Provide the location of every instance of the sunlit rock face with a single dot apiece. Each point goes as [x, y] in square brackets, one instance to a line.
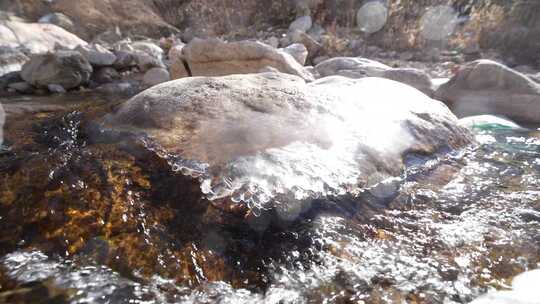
[213, 57]
[272, 142]
[37, 37]
[487, 87]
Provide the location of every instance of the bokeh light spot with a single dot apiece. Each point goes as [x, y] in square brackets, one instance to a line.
[371, 17]
[438, 22]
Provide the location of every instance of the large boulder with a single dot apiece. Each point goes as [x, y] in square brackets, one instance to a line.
[11, 60]
[353, 67]
[66, 68]
[272, 142]
[487, 87]
[213, 57]
[37, 37]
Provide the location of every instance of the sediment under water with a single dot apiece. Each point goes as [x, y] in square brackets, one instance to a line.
[87, 217]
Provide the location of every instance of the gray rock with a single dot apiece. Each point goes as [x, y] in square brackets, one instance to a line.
[124, 60]
[353, 67]
[275, 138]
[9, 78]
[60, 20]
[320, 59]
[66, 68]
[311, 44]
[147, 54]
[488, 87]
[117, 88]
[11, 60]
[156, 76]
[55, 88]
[21, 87]
[273, 41]
[302, 24]
[105, 75]
[298, 51]
[97, 55]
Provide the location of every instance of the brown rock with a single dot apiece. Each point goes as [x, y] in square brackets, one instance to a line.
[214, 57]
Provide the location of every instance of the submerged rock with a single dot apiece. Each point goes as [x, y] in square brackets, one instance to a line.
[272, 142]
[66, 68]
[487, 121]
[213, 57]
[487, 87]
[37, 37]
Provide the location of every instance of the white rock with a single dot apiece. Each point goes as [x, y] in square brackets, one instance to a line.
[37, 37]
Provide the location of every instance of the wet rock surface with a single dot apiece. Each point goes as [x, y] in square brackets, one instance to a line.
[255, 140]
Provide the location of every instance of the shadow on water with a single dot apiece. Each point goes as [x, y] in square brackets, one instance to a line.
[94, 216]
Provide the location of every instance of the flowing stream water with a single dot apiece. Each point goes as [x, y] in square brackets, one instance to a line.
[449, 230]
